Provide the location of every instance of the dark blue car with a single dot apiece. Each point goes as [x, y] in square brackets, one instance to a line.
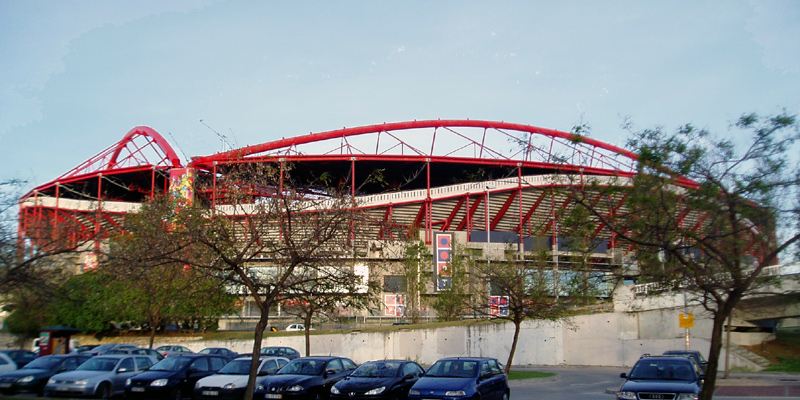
[388, 379]
[662, 377]
[462, 378]
[173, 377]
[307, 378]
[33, 376]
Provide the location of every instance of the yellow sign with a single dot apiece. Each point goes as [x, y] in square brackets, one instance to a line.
[686, 321]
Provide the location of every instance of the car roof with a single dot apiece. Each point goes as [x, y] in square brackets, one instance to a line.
[466, 359]
[113, 356]
[321, 358]
[665, 357]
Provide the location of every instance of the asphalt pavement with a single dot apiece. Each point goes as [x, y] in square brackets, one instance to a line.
[583, 383]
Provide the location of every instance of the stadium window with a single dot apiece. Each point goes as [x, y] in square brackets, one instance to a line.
[394, 283]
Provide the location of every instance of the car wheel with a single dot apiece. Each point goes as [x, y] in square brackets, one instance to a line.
[103, 391]
[506, 396]
[178, 394]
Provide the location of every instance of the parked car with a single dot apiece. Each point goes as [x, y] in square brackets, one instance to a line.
[84, 348]
[154, 355]
[100, 377]
[6, 363]
[33, 376]
[693, 354]
[220, 351]
[280, 351]
[388, 379]
[170, 350]
[463, 378]
[297, 328]
[20, 357]
[230, 382]
[173, 377]
[305, 378]
[104, 348]
[662, 377]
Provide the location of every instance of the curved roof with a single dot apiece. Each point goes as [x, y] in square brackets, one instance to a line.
[467, 141]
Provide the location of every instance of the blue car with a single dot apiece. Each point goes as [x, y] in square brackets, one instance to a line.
[462, 378]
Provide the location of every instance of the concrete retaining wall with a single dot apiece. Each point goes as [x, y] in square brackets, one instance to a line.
[604, 339]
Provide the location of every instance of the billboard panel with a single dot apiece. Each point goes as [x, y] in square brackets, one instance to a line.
[443, 255]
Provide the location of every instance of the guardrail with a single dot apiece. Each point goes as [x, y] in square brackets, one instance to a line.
[645, 289]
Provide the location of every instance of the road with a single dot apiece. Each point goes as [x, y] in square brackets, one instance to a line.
[583, 383]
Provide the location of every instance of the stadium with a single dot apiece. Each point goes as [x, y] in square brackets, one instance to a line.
[495, 188]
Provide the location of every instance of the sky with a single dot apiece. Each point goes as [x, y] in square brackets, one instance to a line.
[75, 76]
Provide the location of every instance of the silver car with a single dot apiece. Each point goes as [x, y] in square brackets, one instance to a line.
[100, 377]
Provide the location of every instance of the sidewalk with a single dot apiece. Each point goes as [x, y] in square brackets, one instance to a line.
[759, 384]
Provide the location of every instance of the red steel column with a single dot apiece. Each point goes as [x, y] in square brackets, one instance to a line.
[519, 203]
[99, 210]
[153, 183]
[469, 223]
[428, 225]
[214, 187]
[54, 228]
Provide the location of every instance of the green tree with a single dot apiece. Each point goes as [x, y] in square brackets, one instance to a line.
[146, 255]
[450, 303]
[708, 213]
[415, 258]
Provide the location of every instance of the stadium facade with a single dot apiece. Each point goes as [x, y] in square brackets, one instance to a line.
[495, 187]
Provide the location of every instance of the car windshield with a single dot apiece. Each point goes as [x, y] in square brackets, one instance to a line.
[164, 348]
[43, 363]
[236, 367]
[270, 351]
[119, 351]
[99, 364]
[377, 369]
[206, 351]
[663, 370]
[453, 369]
[303, 367]
[171, 364]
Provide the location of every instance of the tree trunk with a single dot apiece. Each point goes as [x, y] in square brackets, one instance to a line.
[258, 337]
[724, 311]
[152, 336]
[307, 326]
[517, 326]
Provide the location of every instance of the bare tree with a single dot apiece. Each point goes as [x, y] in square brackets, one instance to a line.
[271, 237]
[708, 213]
[523, 290]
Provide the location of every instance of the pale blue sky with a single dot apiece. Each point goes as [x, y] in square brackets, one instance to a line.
[76, 75]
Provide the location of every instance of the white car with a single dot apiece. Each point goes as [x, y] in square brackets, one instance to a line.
[231, 380]
[6, 363]
[297, 328]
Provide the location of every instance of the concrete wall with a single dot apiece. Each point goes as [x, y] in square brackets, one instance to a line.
[603, 339]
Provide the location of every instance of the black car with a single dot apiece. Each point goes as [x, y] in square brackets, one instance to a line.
[280, 351]
[20, 357]
[308, 378]
[662, 377]
[463, 378]
[33, 377]
[693, 354]
[173, 377]
[388, 379]
[220, 351]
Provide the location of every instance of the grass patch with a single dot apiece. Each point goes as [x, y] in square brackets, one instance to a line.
[785, 364]
[517, 375]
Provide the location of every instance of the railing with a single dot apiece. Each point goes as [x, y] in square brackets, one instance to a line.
[645, 289]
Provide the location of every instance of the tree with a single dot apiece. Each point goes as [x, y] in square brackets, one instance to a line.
[526, 286]
[415, 256]
[271, 236]
[451, 302]
[330, 290]
[143, 255]
[708, 213]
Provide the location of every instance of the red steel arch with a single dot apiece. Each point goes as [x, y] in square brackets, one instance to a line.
[595, 152]
[140, 149]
